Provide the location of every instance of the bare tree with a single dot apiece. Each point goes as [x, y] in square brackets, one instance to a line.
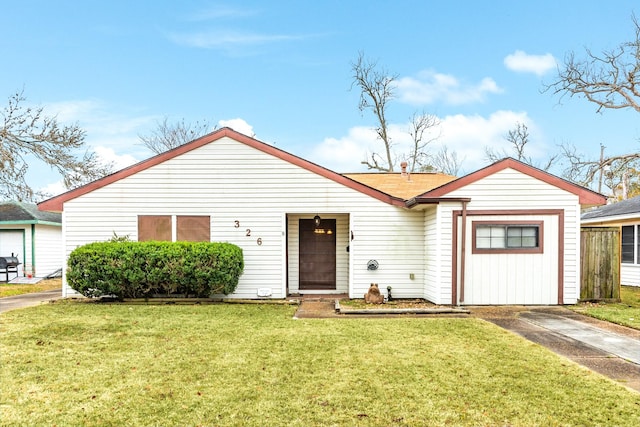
[376, 91]
[610, 80]
[167, 136]
[519, 138]
[418, 158]
[27, 133]
[614, 172]
[447, 161]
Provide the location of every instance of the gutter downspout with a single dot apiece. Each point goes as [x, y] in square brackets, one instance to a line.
[463, 247]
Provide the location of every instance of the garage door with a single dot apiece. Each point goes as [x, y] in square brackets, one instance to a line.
[12, 242]
[510, 260]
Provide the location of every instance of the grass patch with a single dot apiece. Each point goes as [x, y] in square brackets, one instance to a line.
[239, 365]
[12, 289]
[626, 312]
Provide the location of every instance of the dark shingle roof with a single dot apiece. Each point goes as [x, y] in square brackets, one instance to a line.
[624, 207]
[18, 212]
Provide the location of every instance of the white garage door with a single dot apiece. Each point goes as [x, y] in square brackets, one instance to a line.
[511, 260]
[12, 242]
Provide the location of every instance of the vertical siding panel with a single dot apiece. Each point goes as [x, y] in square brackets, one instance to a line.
[49, 250]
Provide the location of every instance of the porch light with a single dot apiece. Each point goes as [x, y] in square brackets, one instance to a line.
[316, 220]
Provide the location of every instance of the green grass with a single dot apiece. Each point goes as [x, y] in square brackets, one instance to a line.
[626, 312]
[253, 365]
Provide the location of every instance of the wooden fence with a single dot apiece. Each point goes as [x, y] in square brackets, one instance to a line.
[600, 264]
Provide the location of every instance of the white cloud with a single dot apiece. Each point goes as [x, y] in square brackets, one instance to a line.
[120, 161]
[54, 188]
[217, 12]
[239, 125]
[467, 136]
[227, 40]
[523, 62]
[345, 154]
[429, 87]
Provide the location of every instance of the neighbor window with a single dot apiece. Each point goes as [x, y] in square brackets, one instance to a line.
[160, 227]
[631, 244]
[492, 237]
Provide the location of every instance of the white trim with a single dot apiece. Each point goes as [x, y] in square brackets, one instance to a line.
[285, 261]
[603, 219]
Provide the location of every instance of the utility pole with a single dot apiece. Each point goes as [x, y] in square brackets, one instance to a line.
[601, 166]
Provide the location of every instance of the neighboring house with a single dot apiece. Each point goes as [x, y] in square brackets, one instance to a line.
[33, 236]
[506, 234]
[626, 215]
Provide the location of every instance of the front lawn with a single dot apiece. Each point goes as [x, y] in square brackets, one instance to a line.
[626, 312]
[253, 365]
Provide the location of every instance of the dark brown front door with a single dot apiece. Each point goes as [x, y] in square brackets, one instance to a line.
[317, 255]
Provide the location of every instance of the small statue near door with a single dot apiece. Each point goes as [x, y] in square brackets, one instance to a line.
[373, 296]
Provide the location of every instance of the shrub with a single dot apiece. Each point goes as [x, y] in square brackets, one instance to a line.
[126, 269]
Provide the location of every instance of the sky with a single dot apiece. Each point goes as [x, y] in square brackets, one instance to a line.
[281, 71]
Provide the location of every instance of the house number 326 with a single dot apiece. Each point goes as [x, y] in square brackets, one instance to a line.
[236, 224]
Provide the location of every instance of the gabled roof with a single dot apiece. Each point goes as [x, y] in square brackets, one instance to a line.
[56, 203]
[622, 210]
[26, 213]
[405, 186]
[586, 196]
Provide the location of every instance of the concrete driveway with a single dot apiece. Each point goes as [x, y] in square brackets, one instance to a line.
[29, 300]
[609, 349]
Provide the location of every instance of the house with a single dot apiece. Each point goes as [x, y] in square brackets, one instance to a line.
[33, 236]
[626, 215]
[506, 234]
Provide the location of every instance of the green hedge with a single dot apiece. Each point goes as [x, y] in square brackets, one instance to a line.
[145, 269]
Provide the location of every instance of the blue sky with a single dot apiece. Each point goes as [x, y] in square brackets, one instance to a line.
[281, 70]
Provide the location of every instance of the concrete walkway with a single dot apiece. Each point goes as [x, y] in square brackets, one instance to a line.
[622, 346]
[28, 300]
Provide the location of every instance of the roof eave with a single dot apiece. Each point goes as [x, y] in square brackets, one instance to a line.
[421, 201]
[586, 196]
[611, 218]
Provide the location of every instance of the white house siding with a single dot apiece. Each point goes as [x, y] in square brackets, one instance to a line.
[510, 190]
[630, 274]
[248, 194]
[438, 252]
[48, 249]
[391, 236]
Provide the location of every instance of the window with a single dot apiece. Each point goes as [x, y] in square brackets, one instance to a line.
[629, 243]
[497, 237]
[193, 228]
[160, 227]
[154, 227]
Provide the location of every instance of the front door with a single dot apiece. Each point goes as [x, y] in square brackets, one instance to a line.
[317, 255]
